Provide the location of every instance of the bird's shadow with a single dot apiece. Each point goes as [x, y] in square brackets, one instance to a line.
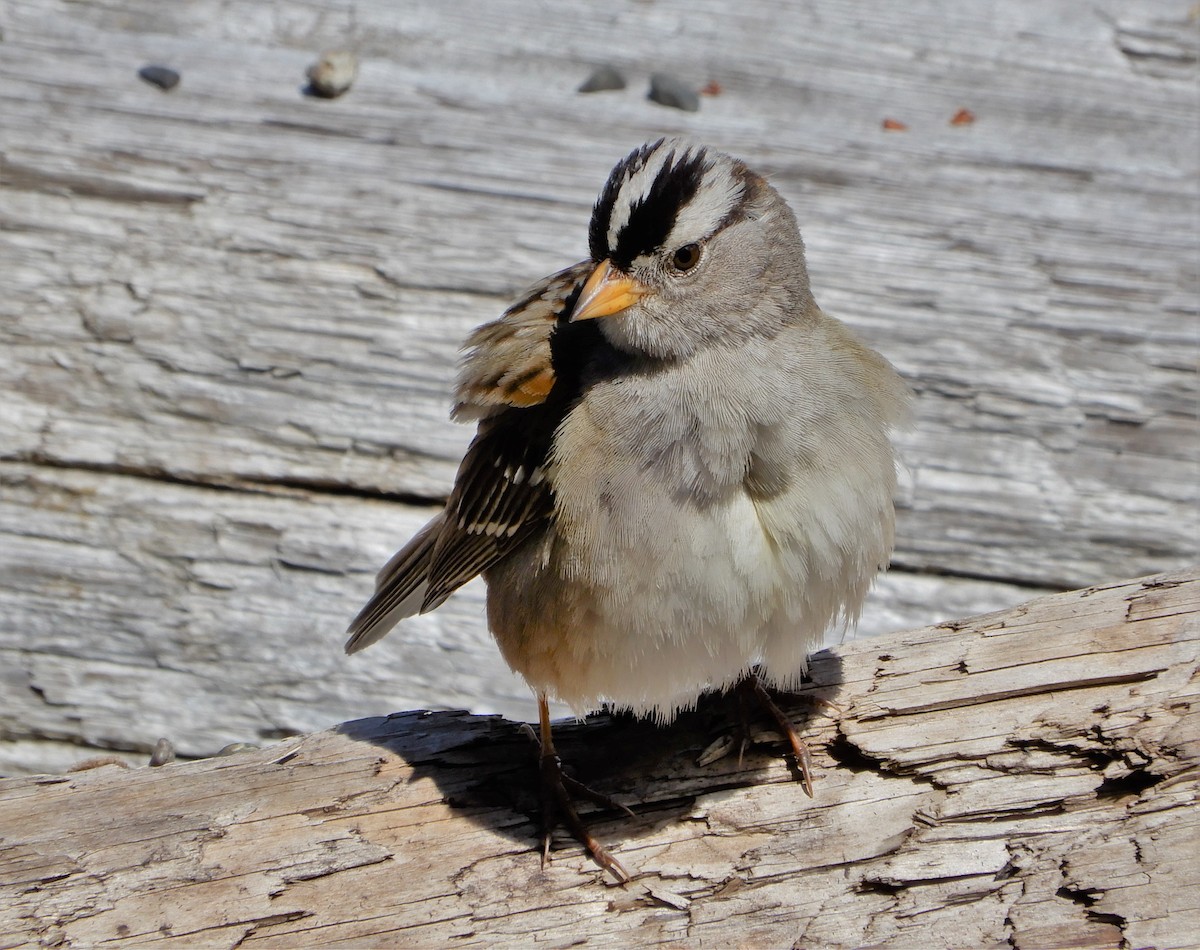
[485, 767]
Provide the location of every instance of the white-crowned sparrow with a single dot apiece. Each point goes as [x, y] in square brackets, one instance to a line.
[682, 468]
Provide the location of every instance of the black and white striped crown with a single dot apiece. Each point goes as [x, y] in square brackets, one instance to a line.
[664, 195]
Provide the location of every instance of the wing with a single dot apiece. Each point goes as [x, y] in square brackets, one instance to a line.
[500, 496]
[508, 361]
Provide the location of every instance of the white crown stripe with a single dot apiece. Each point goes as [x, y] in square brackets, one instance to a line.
[719, 193]
[636, 188]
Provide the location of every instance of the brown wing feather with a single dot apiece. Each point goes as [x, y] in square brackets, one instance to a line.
[500, 496]
[507, 361]
[399, 589]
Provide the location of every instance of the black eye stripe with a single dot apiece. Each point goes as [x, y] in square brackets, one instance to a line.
[652, 216]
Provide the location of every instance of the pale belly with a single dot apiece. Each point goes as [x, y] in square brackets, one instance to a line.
[698, 531]
[650, 616]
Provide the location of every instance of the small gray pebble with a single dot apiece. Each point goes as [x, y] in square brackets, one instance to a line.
[162, 76]
[332, 74]
[603, 79]
[666, 90]
[163, 753]
[235, 747]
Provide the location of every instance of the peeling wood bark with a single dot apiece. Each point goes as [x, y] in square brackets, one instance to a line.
[1023, 779]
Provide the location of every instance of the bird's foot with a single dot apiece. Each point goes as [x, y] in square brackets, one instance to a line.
[557, 802]
[752, 688]
[803, 758]
[558, 793]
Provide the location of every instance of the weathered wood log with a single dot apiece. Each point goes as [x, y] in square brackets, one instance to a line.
[230, 312]
[1026, 778]
[232, 283]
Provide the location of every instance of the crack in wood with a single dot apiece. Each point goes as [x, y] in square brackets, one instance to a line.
[1087, 898]
[288, 487]
[992, 696]
[106, 189]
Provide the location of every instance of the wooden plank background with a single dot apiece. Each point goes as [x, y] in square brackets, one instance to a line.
[229, 313]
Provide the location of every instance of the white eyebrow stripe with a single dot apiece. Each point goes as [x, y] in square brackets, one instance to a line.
[719, 193]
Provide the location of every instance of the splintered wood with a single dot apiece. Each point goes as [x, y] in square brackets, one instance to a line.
[1025, 779]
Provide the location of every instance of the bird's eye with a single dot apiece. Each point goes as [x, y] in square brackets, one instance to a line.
[686, 257]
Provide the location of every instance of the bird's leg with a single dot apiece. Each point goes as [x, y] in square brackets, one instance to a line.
[742, 735]
[753, 685]
[557, 788]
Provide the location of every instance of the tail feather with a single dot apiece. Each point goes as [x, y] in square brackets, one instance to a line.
[400, 589]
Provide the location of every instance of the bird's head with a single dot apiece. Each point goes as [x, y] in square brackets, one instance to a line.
[690, 246]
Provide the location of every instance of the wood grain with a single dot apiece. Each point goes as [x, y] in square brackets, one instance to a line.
[1027, 779]
[232, 298]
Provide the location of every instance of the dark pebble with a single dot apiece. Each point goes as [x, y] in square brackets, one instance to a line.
[666, 90]
[162, 76]
[163, 753]
[603, 79]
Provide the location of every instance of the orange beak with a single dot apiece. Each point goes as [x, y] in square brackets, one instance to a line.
[607, 291]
